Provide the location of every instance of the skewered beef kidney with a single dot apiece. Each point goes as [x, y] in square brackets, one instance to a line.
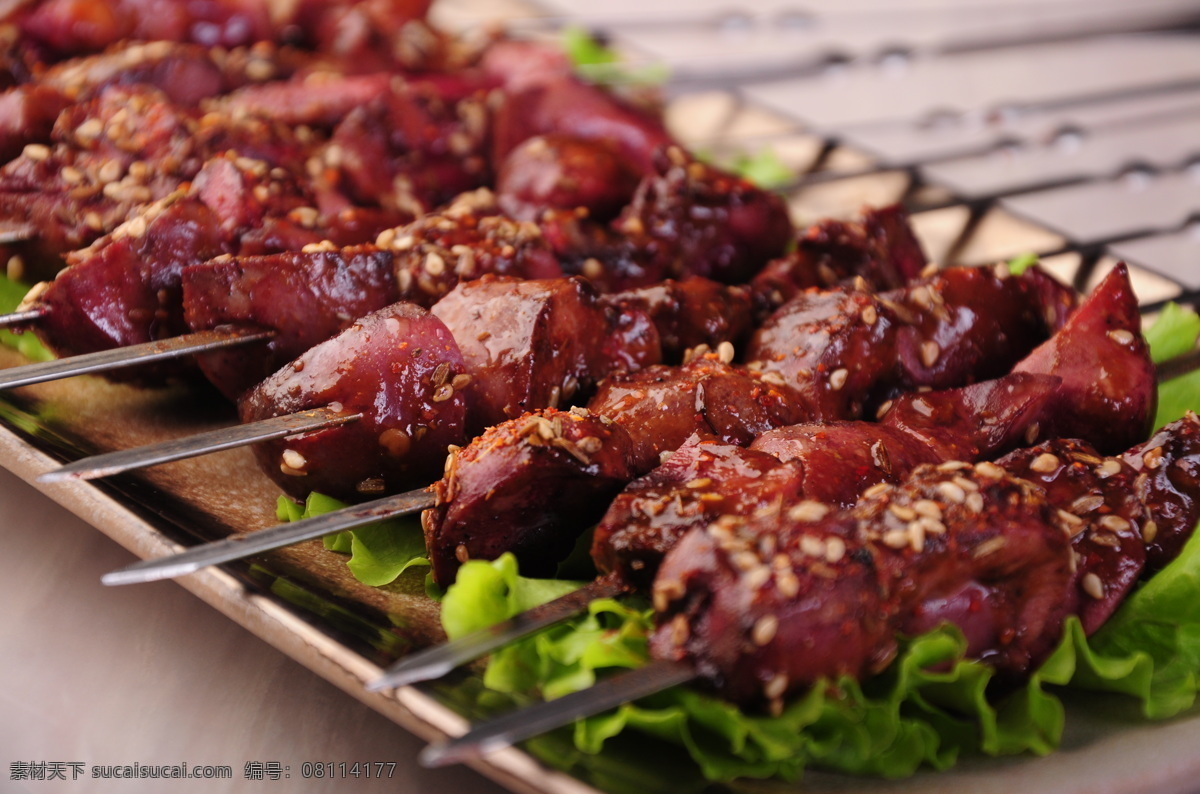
[517, 484]
[400, 368]
[767, 606]
[536, 343]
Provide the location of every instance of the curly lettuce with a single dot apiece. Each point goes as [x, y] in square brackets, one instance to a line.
[379, 552]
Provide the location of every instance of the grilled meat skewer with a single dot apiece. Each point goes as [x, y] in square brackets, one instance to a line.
[760, 608]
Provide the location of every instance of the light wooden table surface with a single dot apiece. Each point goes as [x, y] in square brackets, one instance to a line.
[152, 675]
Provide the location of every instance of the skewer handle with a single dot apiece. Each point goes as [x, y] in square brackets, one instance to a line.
[200, 444]
[525, 723]
[144, 353]
[238, 546]
[438, 660]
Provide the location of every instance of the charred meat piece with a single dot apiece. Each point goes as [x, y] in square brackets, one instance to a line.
[557, 171]
[365, 30]
[543, 97]
[690, 313]
[1108, 378]
[1100, 510]
[699, 482]
[881, 249]
[463, 242]
[538, 343]
[766, 606]
[570, 462]
[126, 289]
[840, 460]
[662, 406]
[690, 218]
[1168, 482]
[305, 297]
[397, 367]
[849, 350]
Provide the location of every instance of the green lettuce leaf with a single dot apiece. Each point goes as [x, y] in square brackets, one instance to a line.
[926, 709]
[1173, 334]
[28, 345]
[379, 552]
[764, 168]
[597, 63]
[1022, 262]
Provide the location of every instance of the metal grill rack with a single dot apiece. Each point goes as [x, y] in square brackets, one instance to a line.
[1066, 128]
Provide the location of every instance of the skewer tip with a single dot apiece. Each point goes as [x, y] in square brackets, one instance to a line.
[456, 752]
[146, 571]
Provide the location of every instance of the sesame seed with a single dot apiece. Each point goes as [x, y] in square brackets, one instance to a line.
[434, 264]
[1032, 432]
[877, 489]
[294, 460]
[808, 510]
[787, 583]
[36, 151]
[837, 378]
[1086, 504]
[764, 630]
[1149, 531]
[883, 409]
[757, 577]
[1114, 523]
[974, 502]
[870, 315]
[699, 482]
[1121, 336]
[896, 538]
[930, 352]
[1044, 463]
[1108, 469]
[989, 546]
[951, 492]
[928, 508]
[775, 688]
[1105, 539]
[746, 560]
[902, 512]
[1074, 524]
[725, 352]
[90, 129]
[443, 393]
[916, 536]
[109, 172]
[1092, 585]
[461, 554]
[990, 470]
[812, 546]
[835, 549]
[1153, 458]
[923, 408]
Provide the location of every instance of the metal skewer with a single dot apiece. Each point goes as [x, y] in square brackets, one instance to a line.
[112, 463]
[243, 545]
[436, 661]
[16, 232]
[20, 318]
[525, 723]
[133, 355]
